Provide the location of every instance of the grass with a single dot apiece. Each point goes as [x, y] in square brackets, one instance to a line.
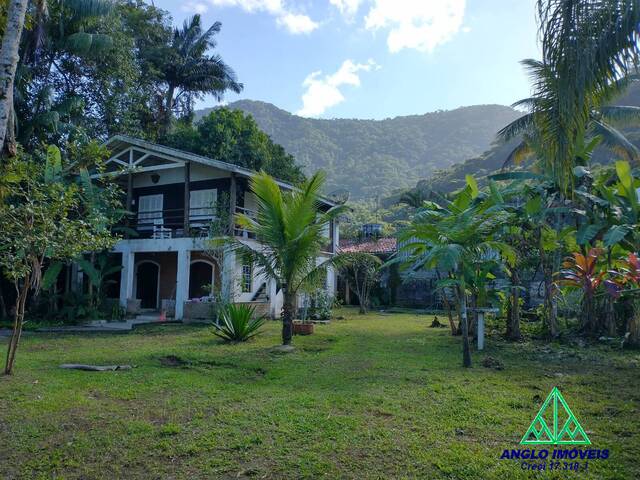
[375, 396]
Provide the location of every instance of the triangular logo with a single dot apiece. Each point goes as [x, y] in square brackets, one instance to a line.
[555, 424]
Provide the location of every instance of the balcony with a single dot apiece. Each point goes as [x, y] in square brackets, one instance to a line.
[169, 223]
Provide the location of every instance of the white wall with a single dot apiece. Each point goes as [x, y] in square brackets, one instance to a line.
[176, 175]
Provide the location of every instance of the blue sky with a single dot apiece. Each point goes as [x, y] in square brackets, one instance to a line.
[372, 58]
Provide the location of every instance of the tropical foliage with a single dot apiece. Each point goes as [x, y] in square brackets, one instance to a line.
[460, 237]
[362, 272]
[233, 137]
[48, 213]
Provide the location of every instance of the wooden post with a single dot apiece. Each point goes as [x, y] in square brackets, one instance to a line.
[187, 196]
[232, 204]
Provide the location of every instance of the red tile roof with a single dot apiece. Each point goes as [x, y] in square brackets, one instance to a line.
[381, 245]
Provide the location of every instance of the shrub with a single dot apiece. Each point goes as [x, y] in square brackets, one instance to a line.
[238, 323]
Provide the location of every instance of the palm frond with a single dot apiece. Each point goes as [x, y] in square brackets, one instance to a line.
[615, 140]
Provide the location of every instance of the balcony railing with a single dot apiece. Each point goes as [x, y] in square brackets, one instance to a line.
[239, 231]
[169, 223]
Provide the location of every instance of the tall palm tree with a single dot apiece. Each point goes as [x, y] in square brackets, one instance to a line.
[189, 71]
[11, 35]
[56, 30]
[290, 227]
[457, 237]
[588, 48]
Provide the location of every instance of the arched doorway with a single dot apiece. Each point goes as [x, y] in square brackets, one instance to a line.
[201, 278]
[148, 284]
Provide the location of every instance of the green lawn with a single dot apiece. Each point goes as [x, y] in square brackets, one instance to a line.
[376, 396]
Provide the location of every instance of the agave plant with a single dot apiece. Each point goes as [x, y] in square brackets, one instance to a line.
[238, 323]
[581, 271]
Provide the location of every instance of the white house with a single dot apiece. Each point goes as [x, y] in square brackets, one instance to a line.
[165, 260]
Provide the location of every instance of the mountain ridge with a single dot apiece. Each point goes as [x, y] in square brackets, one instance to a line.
[373, 158]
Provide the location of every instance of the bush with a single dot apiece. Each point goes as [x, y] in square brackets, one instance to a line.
[320, 306]
[238, 323]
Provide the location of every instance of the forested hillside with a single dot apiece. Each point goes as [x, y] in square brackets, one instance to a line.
[375, 157]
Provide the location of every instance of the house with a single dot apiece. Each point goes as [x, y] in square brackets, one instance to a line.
[371, 242]
[397, 286]
[166, 255]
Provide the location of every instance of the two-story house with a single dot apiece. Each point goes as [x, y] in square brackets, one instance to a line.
[166, 259]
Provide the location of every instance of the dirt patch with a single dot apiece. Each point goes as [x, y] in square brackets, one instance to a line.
[175, 361]
[491, 362]
[172, 361]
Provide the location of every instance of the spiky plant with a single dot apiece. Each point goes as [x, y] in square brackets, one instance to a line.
[238, 323]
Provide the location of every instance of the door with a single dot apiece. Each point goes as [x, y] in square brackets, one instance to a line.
[202, 206]
[147, 283]
[150, 211]
[200, 279]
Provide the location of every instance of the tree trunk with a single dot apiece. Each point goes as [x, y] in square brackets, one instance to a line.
[9, 55]
[168, 111]
[458, 310]
[10, 143]
[633, 326]
[288, 312]
[466, 348]
[610, 317]
[587, 314]
[447, 307]
[18, 320]
[513, 323]
[550, 306]
[473, 321]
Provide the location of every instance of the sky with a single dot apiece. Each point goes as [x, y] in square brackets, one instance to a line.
[371, 59]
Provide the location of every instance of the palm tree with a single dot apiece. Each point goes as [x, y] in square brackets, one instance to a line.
[189, 71]
[11, 35]
[56, 31]
[539, 128]
[588, 48]
[457, 237]
[290, 227]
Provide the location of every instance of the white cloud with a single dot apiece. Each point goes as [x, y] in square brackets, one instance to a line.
[297, 23]
[324, 92]
[420, 25]
[346, 7]
[195, 7]
[293, 22]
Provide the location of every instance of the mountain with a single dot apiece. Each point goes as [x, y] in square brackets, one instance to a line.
[372, 158]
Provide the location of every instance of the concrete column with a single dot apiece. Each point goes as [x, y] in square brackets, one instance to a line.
[272, 292]
[331, 281]
[229, 275]
[480, 330]
[126, 277]
[182, 281]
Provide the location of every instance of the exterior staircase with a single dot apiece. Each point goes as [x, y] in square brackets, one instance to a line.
[261, 294]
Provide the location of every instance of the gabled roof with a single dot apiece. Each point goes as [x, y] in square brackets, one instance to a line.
[119, 144]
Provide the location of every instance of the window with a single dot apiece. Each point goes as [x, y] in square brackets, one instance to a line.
[150, 211]
[202, 205]
[247, 277]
